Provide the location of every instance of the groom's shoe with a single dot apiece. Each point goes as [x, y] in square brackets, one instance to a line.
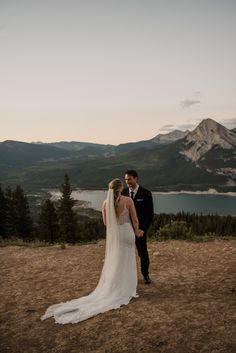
[146, 280]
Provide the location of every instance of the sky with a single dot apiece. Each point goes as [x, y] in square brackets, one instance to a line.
[114, 71]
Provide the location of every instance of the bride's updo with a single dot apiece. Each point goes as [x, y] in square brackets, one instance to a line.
[116, 185]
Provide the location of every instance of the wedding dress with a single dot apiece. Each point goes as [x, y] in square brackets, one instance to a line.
[118, 281]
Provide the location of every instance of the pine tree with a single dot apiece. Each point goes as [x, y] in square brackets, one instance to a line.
[67, 216]
[10, 213]
[48, 222]
[23, 221]
[3, 210]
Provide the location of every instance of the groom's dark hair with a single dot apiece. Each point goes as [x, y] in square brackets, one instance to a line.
[132, 172]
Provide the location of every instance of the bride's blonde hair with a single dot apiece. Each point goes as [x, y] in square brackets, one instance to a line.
[115, 184]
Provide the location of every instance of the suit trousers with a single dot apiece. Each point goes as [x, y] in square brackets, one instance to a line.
[141, 245]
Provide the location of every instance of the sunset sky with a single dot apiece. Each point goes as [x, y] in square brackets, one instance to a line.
[114, 71]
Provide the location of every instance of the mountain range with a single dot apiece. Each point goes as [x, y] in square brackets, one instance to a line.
[190, 160]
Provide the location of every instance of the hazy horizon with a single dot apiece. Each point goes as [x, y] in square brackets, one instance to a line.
[95, 142]
[115, 71]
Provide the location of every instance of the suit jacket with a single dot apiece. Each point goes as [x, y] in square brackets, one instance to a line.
[144, 207]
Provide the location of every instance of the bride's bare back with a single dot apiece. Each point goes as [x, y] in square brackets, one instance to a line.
[124, 202]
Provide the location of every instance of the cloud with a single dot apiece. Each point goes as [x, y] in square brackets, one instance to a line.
[182, 127]
[188, 103]
[186, 126]
[168, 127]
[229, 123]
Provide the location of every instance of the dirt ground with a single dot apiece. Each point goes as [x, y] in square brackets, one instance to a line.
[189, 307]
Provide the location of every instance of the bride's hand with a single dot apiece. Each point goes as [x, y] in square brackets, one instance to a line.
[139, 234]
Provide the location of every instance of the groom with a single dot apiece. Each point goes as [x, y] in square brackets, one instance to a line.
[144, 207]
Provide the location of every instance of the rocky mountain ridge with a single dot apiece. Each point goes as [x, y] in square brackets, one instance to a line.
[205, 136]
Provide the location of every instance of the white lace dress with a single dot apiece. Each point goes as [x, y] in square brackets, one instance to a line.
[117, 283]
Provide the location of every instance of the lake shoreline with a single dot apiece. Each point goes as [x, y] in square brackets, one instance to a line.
[187, 192]
[207, 202]
[207, 192]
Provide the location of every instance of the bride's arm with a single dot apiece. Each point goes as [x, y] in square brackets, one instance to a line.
[134, 217]
[104, 212]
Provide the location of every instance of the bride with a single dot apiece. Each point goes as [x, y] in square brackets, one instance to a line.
[118, 281]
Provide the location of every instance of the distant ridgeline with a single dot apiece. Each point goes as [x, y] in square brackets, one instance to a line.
[63, 221]
[206, 155]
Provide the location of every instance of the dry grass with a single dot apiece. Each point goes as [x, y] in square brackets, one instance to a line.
[189, 307]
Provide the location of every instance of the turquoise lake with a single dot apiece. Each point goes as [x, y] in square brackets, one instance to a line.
[222, 204]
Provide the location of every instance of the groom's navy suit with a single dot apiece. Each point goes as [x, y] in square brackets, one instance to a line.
[144, 207]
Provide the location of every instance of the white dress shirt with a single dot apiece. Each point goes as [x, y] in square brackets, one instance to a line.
[134, 190]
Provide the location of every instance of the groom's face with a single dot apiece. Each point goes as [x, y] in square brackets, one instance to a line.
[130, 181]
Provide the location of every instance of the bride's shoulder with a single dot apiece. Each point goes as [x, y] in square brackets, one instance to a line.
[127, 199]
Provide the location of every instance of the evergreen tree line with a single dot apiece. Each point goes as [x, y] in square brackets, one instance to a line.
[55, 223]
[15, 216]
[61, 223]
[186, 225]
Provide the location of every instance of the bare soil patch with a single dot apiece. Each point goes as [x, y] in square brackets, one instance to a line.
[189, 307]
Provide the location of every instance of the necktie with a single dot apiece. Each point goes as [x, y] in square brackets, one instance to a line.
[132, 195]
